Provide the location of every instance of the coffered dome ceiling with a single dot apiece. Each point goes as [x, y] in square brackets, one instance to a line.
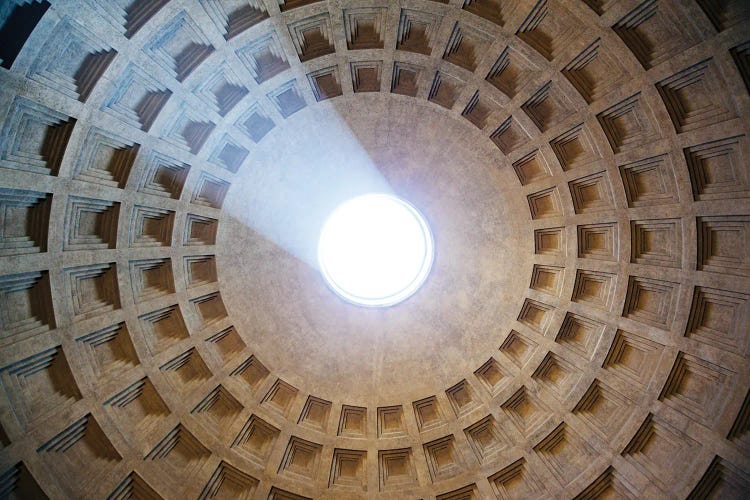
[166, 168]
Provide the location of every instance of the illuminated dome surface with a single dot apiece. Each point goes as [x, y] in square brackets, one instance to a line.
[167, 168]
[375, 250]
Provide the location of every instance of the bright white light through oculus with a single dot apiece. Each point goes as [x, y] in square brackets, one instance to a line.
[375, 250]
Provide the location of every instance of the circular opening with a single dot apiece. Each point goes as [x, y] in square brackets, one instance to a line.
[375, 250]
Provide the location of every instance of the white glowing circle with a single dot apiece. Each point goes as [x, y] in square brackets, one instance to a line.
[375, 250]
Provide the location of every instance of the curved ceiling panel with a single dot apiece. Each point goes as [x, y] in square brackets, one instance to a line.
[166, 167]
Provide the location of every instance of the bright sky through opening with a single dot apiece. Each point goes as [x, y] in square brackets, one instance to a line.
[375, 250]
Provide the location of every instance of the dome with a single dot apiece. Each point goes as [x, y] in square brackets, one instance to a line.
[166, 171]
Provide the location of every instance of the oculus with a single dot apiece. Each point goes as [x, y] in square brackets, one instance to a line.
[375, 250]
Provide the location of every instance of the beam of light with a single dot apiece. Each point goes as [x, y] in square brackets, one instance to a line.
[375, 250]
[297, 176]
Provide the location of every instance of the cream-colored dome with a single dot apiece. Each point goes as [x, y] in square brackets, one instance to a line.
[166, 168]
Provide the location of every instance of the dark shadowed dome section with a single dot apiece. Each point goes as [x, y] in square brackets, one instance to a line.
[166, 172]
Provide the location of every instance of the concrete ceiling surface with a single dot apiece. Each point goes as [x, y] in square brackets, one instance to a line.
[166, 167]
